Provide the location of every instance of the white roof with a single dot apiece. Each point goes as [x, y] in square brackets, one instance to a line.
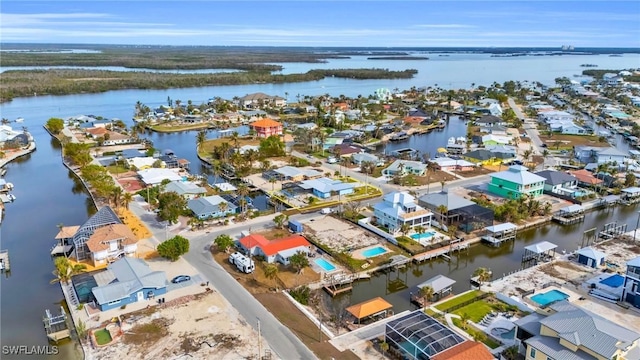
[572, 208]
[501, 227]
[634, 262]
[225, 186]
[541, 247]
[632, 190]
[518, 174]
[445, 161]
[591, 253]
[155, 176]
[438, 283]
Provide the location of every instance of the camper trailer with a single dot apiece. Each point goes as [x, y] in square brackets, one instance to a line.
[243, 263]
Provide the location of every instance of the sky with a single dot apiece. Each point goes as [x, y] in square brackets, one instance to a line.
[388, 23]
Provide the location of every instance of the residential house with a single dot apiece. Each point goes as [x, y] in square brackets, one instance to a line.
[324, 188]
[96, 132]
[210, 207]
[361, 157]
[558, 182]
[494, 130]
[245, 148]
[279, 250]
[259, 100]
[490, 139]
[186, 189]
[457, 207]
[266, 127]
[516, 182]
[569, 332]
[154, 176]
[104, 217]
[404, 167]
[600, 155]
[111, 242]
[631, 292]
[554, 115]
[490, 120]
[566, 127]
[586, 178]
[291, 173]
[144, 162]
[445, 163]
[132, 281]
[495, 110]
[116, 138]
[485, 156]
[400, 208]
[346, 150]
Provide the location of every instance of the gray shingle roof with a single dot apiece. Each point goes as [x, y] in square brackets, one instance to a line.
[451, 201]
[132, 275]
[556, 177]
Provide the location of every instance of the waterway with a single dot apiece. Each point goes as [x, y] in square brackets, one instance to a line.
[48, 195]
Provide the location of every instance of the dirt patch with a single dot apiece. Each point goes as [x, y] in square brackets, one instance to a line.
[475, 172]
[304, 329]
[273, 234]
[144, 335]
[560, 141]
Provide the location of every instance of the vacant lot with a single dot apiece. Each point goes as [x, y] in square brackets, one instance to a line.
[340, 235]
[564, 142]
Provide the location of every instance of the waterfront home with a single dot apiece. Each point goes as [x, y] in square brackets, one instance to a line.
[631, 292]
[115, 138]
[324, 188]
[64, 240]
[279, 250]
[398, 208]
[600, 155]
[111, 242]
[586, 178]
[495, 130]
[145, 162]
[266, 127]
[210, 207]
[453, 208]
[291, 173]
[345, 150]
[246, 148]
[567, 331]
[186, 189]
[259, 100]
[418, 336]
[491, 139]
[489, 157]
[559, 182]
[131, 153]
[548, 116]
[495, 110]
[516, 182]
[154, 176]
[96, 132]
[404, 167]
[590, 257]
[132, 281]
[103, 217]
[489, 121]
[361, 157]
[445, 163]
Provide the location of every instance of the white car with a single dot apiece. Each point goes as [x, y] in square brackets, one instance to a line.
[332, 160]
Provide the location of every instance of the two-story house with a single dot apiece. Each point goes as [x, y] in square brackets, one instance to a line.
[111, 242]
[569, 332]
[266, 127]
[516, 182]
[631, 292]
[400, 208]
[600, 155]
[558, 182]
[259, 100]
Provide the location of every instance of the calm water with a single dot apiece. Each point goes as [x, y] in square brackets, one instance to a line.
[47, 194]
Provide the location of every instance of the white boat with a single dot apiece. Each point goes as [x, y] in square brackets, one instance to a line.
[19, 120]
[11, 197]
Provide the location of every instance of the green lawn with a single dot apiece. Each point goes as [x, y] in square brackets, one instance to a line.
[102, 336]
[477, 334]
[458, 300]
[476, 310]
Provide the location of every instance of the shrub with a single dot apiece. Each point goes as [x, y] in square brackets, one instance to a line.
[301, 294]
[173, 248]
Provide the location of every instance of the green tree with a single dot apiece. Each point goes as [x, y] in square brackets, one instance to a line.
[511, 353]
[201, 137]
[271, 273]
[64, 270]
[223, 242]
[272, 146]
[426, 292]
[299, 261]
[55, 125]
[173, 248]
[464, 319]
[170, 206]
[405, 228]
[384, 346]
[280, 220]
[629, 180]
[483, 274]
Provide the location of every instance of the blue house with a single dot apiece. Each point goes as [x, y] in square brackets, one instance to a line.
[324, 187]
[210, 207]
[133, 281]
[631, 292]
[591, 257]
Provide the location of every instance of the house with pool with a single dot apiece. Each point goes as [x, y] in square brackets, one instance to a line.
[400, 208]
[567, 331]
[515, 182]
[127, 281]
[279, 250]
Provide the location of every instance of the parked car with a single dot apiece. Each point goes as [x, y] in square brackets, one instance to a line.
[332, 160]
[180, 278]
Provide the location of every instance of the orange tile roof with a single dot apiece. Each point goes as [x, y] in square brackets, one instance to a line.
[584, 176]
[101, 237]
[97, 131]
[272, 247]
[468, 350]
[413, 119]
[67, 232]
[369, 307]
[265, 123]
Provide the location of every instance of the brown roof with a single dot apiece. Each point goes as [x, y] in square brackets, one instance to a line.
[97, 131]
[67, 232]
[368, 308]
[468, 350]
[585, 177]
[101, 237]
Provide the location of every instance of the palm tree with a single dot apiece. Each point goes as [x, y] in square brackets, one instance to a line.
[116, 196]
[405, 228]
[223, 207]
[273, 183]
[464, 319]
[200, 139]
[271, 272]
[65, 270]
[235, 138]
[483, 274]
[126, 199]
[526, 155]
[242, 191]
[442, 183]
[442, 210]
[426, 292]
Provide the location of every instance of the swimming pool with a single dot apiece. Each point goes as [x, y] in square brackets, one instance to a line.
[549, 297]
[325, 265]
[425, 235]
[373, 252]
[83, 284]
[613, 281]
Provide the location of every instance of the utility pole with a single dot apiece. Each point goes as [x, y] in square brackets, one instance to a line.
[259, 341]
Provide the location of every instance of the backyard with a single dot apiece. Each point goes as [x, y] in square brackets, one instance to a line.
[102, 336]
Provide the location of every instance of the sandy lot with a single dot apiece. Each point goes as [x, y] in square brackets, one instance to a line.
[203, 326]
[340, 235]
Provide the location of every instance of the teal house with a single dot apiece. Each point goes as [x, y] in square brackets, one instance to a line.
[515, 182]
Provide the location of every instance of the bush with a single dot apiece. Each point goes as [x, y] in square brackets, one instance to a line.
[173, 248]
[301, 294]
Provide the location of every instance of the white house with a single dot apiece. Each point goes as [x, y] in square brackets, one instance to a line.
[559, 182]
[154, 176]
[404, 167]
[400, 208]
[143, 162]
[111, 242]
[548, 116]
[186, 189]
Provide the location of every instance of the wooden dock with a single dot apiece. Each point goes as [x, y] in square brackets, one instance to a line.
[568, 220]
[56, 326]
[342, 282]
[612, 230]
[5, 265]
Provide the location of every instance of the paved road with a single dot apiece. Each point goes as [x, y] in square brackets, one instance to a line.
[531, 128]
[280, 339]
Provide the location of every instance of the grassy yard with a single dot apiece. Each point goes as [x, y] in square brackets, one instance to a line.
[567, 142]
[477, 334]
[410, 245]
[102, 336]
[476, 310]
[459, 300]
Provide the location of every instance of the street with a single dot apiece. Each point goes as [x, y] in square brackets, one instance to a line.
[530, 127]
